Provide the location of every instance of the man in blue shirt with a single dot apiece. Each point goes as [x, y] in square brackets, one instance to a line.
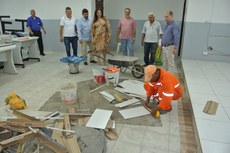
[170, 42]
[34, 25]
[84, 34]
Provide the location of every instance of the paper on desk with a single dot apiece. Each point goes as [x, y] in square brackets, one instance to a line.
[126, 103]
[99, 119]
[134, 112]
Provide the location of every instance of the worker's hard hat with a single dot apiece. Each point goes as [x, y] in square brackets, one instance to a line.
[149, 70]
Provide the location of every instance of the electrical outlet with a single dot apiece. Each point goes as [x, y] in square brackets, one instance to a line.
[210, 48]
[205, 53]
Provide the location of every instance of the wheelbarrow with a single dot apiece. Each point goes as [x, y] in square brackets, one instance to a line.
[127, 62]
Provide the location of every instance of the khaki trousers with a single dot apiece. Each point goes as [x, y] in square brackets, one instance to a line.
[168, 59]
[84, 50]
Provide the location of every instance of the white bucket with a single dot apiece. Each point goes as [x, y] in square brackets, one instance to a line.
[111, 77]
[69, 93]
[98, 74]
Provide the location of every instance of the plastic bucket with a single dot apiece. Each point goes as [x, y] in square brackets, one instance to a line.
[112, 76]
[73, 68]
[98, 74]
[68, 93]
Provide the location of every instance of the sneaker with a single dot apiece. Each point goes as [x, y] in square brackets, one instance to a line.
[93, 61]
[85, 63]
[43, 54]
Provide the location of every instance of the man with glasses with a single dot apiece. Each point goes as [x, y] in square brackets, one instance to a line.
[68, 32]
[170, 42]
[126, 33]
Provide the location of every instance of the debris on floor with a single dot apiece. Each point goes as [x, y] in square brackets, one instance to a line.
[210, 107]
[68, 133]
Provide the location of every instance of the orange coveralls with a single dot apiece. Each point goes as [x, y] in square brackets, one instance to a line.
[166, 89]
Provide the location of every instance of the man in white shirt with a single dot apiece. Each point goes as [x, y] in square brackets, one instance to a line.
[68, 32]
[151, 33]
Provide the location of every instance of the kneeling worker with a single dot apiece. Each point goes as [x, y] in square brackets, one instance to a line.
[163, 86]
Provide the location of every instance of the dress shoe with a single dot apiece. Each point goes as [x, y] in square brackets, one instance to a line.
[85, 63]
[93, 61]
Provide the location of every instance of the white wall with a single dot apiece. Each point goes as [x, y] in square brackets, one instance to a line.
[114, 9]
[215, 11]
[46, 9]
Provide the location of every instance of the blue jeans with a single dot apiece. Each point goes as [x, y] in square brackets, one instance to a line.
[149, 48]
[127, 47]
[73, 41]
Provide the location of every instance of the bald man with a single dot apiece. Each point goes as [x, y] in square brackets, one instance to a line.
[170, 42]
[34, 25]
[151, 33]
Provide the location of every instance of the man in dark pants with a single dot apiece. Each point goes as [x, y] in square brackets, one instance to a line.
[150, 37]
[34, 25]
[68, 32]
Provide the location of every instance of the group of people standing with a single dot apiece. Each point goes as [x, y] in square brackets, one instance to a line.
[96, 34]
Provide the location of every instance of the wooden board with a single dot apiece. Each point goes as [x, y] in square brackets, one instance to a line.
[57, 135]
[25, 123]
[53, 145]
[210, 107]
[16, 139]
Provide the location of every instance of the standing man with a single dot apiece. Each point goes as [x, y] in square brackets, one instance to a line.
[34, 25]
[170, 42]
[68, 32]
[150, 37]
[126, 33]
[84, 34]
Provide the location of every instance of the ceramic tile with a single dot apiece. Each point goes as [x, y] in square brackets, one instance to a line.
[219, 83]
[221, 115]
[131, 135]
[156, 140]
[227, 110]
[200, 89]
[200, 98]
[174, 129]
[174, 143]
[214, 147]
[146, 149]
[125, 147]
[224, 100]
[221, 91]
[213, 130]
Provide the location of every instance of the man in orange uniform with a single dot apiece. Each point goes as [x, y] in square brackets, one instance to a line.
[163, 86]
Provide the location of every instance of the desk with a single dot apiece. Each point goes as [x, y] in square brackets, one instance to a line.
[26, 42]
[6, 56]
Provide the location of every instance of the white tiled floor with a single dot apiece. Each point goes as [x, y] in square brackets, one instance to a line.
[38, 81]
[210, 81]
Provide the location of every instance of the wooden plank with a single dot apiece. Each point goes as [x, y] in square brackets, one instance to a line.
[206, 107]
[53, 145]
[111, 134]
[70, 140]
[24, 116]
[24, 123]
[57, 135]
[72, 109]
[16, 129]
[67, 123]
[71, 144]
[16, 140]
[83, 120]
[5, 134]
[213, 108]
